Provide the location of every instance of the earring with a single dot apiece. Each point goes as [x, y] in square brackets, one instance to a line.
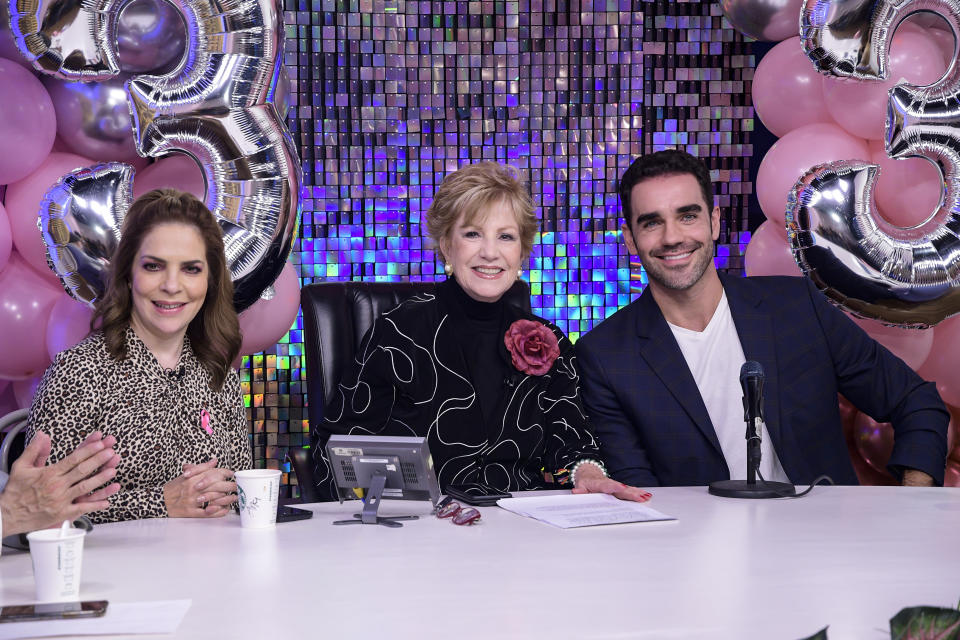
[519, 273]
[447, 269]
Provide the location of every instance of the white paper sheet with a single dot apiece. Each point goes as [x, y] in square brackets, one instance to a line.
[582, 510]
[161, 616]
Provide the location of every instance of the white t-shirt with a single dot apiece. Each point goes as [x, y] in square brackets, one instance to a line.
[714, 357]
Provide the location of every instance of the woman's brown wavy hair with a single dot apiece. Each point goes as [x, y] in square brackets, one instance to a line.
[215, 331]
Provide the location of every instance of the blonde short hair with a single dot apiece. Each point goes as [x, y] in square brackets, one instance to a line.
[470, 191]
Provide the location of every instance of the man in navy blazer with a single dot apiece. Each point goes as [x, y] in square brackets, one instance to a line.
[648, 409]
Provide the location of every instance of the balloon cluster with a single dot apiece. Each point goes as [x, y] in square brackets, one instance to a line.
[824, 119]
[53, 126]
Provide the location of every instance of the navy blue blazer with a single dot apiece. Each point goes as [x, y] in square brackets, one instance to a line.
[654, 429]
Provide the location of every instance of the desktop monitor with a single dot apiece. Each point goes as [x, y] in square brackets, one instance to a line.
[383, 467]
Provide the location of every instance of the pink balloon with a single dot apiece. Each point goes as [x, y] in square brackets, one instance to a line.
[6, 238]
[769, 254]
[177, 170]
[861, 107]
[60, 146]
[874, 441]
[941, 366]
[951, 477]
[936, 28]
[28, 123]
[771, 20]
[910, 345]
[69, 323]
[794, 154]
[908, 190]
[944, 41]
[24, 390]
[23, 208]
[26, 300]
[866, 474]
[848, 412]
[264, 323]
[787, 90]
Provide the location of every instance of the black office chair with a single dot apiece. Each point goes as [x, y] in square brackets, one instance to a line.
[336, 316]
[13, 427]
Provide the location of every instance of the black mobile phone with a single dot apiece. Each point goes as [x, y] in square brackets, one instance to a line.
[478, 495]
[288, 514]
[53, 611]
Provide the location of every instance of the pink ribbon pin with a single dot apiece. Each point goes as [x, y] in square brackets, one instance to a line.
[205, 421]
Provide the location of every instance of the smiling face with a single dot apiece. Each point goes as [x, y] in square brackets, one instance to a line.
[486, 253]
[672, 230]
[168, 282]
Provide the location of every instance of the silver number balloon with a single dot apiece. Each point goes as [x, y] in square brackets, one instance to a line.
[151, 37]
[763, 19]
[907, 277]
[216, 106]
[66, 38]
[81, 227]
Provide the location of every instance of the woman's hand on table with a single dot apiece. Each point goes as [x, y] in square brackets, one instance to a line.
[201, 491]
[591, 479]
[39, 495]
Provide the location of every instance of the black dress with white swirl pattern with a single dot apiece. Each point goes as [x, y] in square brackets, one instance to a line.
[437, 367]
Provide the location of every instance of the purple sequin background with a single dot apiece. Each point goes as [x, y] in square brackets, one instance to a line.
[390, 96]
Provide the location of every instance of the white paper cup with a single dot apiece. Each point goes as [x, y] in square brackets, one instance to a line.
[56, 563]
[258, 491]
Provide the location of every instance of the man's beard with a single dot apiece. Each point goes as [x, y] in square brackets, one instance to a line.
[658, 272]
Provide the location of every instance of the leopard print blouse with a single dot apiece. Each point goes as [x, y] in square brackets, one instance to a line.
[155, 415]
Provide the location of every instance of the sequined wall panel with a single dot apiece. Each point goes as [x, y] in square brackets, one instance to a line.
[697, 79]
[391, 96]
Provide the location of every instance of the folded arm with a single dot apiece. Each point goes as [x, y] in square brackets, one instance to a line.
[883, 386]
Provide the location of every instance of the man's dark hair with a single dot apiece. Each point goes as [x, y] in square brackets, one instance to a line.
[670, 162]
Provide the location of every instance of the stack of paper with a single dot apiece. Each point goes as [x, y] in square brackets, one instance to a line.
[582, 510]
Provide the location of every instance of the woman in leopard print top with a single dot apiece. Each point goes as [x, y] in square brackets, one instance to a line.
[157, 375]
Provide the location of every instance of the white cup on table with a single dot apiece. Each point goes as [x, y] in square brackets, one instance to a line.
[57, 556]
[258, 491]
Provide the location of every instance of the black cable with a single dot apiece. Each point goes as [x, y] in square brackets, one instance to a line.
[783, 494]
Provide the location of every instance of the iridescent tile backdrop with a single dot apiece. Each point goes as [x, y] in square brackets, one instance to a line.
[391, 95]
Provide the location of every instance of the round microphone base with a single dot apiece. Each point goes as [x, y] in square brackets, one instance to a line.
[742, 489]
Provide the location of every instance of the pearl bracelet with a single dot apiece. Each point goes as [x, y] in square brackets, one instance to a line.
[599, 465]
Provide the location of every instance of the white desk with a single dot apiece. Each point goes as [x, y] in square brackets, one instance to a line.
[850, 557]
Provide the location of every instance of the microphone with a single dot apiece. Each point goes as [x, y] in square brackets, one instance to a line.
[751, 382]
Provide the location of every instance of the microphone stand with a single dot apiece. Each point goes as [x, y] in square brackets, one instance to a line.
[750, 488]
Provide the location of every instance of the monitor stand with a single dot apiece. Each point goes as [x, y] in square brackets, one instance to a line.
[370, 505]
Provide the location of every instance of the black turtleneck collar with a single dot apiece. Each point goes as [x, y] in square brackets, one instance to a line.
[482, 313]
